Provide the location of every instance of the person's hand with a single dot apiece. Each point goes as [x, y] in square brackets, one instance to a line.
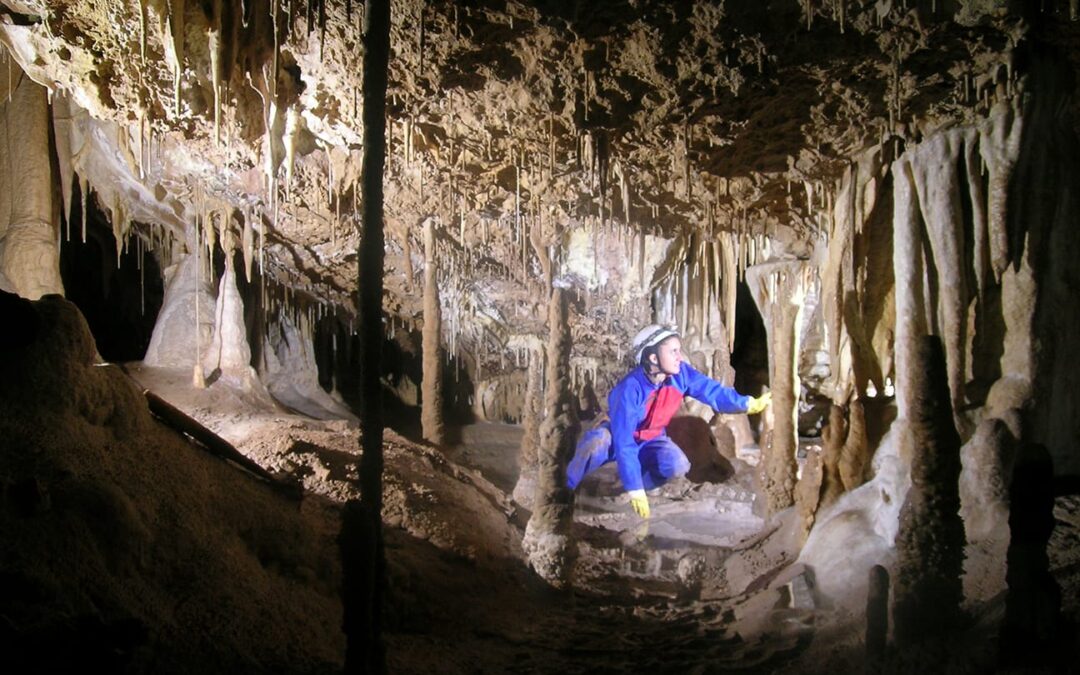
[639, 502]
[759, 403]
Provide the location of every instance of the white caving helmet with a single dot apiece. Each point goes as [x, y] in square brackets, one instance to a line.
[650, 336]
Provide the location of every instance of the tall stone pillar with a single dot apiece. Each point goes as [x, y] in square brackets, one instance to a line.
[779, 289]
[29, 217]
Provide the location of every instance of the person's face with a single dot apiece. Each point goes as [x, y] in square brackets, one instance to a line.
[669, 355]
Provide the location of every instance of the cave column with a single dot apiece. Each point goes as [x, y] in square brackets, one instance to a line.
[779, 289]
[431, 417]
[909, 271]
[547, 541]
[29, 217]
[532, 415]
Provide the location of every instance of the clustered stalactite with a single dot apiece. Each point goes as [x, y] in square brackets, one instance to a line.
[224, 60]
[931, 182]
[857, 278]
[547, 542]
[930, 542]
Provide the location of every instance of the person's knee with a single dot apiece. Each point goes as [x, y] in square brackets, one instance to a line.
[680, 466]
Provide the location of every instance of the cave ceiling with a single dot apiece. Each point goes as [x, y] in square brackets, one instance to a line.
[517, 126]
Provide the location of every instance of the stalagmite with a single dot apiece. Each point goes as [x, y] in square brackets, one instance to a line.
[808, 492]
[877, 618]
[228, 352]
[832, 441]
[855, 455]
[1032, 629]
[986, 469]
[431, 416]
[547, 542]
[930, 541]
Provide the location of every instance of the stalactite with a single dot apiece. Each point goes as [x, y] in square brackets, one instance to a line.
[119, 233]
[247, 243]
[731, 287]
[214, 47]
[999, 147]
[275, 63]
[174, 46]
[198, 379]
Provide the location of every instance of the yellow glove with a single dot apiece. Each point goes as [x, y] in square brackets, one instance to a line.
[640, 502]
[759, 403]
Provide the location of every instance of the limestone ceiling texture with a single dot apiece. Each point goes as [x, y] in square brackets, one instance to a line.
[524, 129]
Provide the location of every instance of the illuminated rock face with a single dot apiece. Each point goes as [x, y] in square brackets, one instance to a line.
[649, 156]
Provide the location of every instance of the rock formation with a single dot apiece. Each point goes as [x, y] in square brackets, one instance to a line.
[431, 395]
[848, 177]
[547, 543]
[780, 289]
[930, 543]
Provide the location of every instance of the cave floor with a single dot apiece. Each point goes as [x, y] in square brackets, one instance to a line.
[460, 594]
[706, 585]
